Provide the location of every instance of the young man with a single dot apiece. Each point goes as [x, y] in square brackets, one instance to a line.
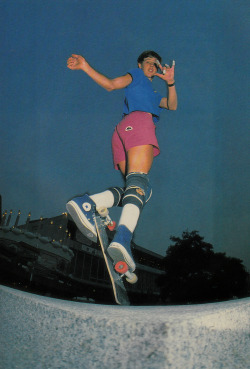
[134, 146]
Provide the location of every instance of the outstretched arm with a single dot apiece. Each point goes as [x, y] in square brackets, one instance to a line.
[78, 62]
[169, 102]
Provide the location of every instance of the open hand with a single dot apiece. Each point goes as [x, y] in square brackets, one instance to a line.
[167, 72]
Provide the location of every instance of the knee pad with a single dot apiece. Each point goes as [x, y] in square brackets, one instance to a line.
[117, 193]
[148, 193]
[138, 190]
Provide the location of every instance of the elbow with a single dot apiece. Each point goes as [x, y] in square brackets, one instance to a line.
[109, 89]
[110, 86]
[173, 107]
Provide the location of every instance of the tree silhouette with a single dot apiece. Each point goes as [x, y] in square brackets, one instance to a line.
[194, 273]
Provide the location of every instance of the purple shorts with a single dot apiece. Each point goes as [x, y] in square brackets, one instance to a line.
[135, 129]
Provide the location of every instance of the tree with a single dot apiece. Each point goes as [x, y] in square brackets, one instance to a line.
[194, 273]
[229, 277]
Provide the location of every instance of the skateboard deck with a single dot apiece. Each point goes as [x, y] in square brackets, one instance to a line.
[119, 290]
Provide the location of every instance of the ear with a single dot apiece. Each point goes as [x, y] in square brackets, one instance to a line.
[139, 65]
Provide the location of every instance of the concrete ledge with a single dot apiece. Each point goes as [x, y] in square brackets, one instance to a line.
[38, 332]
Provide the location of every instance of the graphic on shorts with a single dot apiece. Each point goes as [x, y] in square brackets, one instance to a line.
[129, 128]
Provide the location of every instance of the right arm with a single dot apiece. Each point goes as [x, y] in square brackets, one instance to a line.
[77, 62]
[169, 102]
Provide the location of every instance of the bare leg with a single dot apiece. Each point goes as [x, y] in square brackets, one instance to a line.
[122, 167]
[140, 159]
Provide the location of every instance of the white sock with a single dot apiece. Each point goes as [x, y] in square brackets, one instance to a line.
[103, 199]
[129, 217]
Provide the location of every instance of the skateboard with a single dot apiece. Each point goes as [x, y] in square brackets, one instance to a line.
[120, 269]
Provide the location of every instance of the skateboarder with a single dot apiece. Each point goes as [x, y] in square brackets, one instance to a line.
[134, 146]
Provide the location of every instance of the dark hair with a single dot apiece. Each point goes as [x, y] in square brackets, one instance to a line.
[147, 54]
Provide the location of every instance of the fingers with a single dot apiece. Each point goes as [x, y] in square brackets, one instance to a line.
[159, 64]
[168, 67]
[76, 62]
[72, 61]
[167, 71]
[165, 68]
[73, 57]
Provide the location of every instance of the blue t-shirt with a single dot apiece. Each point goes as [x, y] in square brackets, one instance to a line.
[140, 95]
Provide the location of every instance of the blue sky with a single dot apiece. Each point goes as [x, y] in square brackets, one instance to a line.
[56, 124]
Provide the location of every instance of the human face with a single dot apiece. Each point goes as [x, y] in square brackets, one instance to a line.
[149, 67]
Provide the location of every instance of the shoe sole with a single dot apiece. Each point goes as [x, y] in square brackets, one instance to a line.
[118, 253]
[80, 221]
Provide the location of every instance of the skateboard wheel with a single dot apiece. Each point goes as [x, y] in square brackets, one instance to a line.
[121, 267]
[132, 278]
[112, 226]
[103, 211]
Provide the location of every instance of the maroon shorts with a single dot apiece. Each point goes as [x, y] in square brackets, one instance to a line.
[135, 129]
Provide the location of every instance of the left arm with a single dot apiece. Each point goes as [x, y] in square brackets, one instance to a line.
[169, 102]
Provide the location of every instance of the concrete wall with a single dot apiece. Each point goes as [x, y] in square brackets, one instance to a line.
[39, 332]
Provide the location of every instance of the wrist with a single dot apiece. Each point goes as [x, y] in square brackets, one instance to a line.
[85, 67]
[171, 84]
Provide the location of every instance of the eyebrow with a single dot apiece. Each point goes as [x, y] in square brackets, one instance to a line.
[154, 60]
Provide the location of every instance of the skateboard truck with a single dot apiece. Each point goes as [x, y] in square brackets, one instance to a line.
[122, 268]
[104, 213]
